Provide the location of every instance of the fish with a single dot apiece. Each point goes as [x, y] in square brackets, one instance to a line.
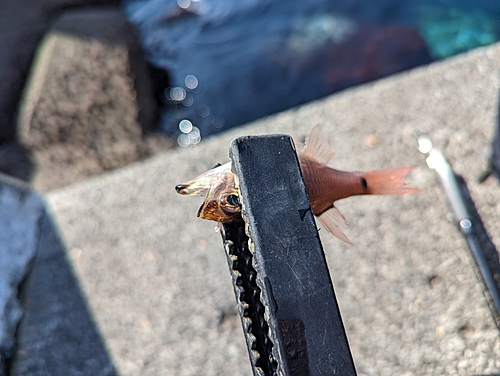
[222, 202]
[325, 186]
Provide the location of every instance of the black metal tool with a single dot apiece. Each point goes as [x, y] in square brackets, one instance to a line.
[464, 210]
[286, 299]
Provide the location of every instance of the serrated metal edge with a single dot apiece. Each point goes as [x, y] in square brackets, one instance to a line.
[250, 307]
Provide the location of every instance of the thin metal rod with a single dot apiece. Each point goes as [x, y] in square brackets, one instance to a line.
[451, 183]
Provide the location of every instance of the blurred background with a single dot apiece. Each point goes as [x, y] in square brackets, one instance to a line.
[91, 85]
[129, 278]
[229, 63]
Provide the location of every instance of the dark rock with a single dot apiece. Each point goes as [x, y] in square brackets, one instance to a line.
[15, 160]
[21, 28]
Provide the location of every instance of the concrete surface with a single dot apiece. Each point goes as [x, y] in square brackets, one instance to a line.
[155, 277]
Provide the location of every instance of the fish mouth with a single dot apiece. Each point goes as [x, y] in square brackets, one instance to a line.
[181, 188]
[192, 188]
[205, 182]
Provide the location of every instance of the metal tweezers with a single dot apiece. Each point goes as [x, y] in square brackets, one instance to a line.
[461, 205]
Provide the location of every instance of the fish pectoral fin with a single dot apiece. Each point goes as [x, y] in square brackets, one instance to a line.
[333, 220]
[317, 147]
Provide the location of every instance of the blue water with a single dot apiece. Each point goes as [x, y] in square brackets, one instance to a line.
[231, 62]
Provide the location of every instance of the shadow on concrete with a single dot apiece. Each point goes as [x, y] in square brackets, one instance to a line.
[487, 246]
[494, 162]
[57, 335]
[489, 250]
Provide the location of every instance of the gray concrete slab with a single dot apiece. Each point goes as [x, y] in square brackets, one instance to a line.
[155, 277]
[88, 103]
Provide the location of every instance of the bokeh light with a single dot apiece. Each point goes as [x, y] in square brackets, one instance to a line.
[191, 82]
[188, 101]
[203, 110]
[177, 94]
[184, 4]
[185, 126]
[191, 135]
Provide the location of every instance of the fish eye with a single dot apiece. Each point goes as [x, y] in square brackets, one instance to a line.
[233, 199]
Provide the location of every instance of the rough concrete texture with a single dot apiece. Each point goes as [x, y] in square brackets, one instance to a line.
[155, 276]
[167, 280]
[20, 213]
[81, 112]
[22, 25]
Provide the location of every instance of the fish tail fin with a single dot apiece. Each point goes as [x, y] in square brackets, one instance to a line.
[388, 182]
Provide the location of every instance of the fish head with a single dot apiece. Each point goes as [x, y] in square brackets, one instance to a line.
[202, 184]
[222, 203]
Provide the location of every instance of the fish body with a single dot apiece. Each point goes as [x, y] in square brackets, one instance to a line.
[325, 186]
[320, 180]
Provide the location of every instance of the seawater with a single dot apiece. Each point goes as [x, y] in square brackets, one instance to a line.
[231, 62]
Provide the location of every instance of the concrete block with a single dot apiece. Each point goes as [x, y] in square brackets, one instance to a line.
[88, 101]
[22, 25]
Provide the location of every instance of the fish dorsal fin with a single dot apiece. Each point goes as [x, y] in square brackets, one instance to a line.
[333, 220]
[317, 147]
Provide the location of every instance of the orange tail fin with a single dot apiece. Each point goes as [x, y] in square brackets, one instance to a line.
[388, 182]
